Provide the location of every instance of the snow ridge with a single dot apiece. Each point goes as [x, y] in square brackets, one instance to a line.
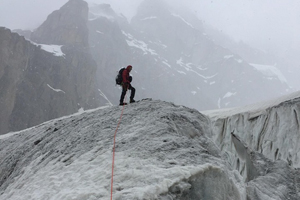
[163, 151]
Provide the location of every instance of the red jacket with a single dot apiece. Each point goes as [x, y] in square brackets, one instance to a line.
[125, 75]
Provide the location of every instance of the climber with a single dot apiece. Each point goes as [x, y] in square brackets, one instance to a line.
[126, 79]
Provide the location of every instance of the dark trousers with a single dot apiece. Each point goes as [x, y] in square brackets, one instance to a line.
[124, 90]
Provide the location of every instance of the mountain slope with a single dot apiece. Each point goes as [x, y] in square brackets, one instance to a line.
[197, 63]
[109, 49]
[44, 81]
[174, 59]
[37, 85]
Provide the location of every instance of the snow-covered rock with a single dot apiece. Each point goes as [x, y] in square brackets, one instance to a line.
[271, 127]
[163, 151]
[262, 142]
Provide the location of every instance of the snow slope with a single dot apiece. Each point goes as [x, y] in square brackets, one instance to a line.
[270, 72]
[163, 151]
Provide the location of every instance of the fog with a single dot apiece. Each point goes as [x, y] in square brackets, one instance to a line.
[244, 20]
[266, 24]
[270, 25]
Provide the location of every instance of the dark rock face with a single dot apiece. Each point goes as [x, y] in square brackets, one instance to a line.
[25, 33]
[36, 85]
[13, 52]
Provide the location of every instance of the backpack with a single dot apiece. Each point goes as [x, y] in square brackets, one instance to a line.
[119, 78]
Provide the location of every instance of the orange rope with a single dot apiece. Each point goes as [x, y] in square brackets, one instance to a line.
[113, 161]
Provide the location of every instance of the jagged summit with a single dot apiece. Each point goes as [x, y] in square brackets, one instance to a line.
[101, 10]
[66, 26]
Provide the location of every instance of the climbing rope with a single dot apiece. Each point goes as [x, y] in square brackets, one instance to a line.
[113, 160]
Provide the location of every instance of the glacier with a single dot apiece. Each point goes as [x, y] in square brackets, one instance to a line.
[163, 151]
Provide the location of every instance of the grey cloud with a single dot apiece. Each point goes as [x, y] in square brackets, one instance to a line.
[269, 24]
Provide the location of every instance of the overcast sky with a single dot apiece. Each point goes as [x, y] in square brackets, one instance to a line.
[263, 23]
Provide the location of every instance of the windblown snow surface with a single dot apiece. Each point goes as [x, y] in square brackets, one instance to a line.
[163, 152]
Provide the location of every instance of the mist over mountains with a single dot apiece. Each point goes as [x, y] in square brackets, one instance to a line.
[175, 58]
[200, 135]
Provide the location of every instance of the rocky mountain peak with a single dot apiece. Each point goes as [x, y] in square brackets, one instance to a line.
[102, 10]
[66, 26]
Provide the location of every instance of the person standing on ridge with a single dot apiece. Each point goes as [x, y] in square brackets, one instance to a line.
[126, 79]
